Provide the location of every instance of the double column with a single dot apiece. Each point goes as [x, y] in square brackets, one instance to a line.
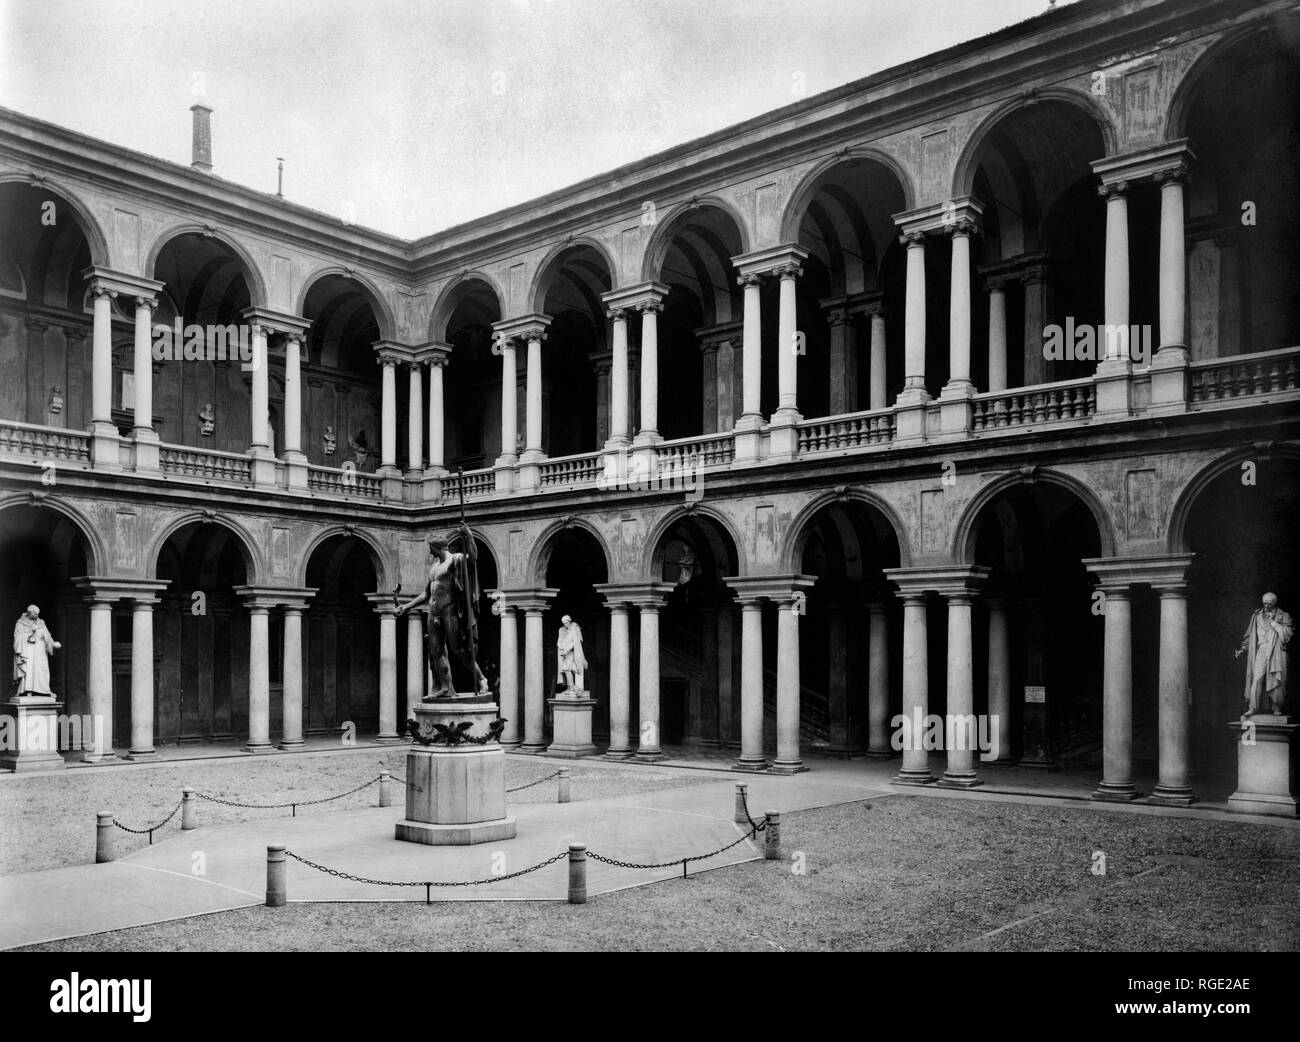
[532, 604]
[260, 601]
[1116, 578]
[530, 331]
[102, 594]
[648, 599]
[646, 300]
[264, 323]
[788, 596]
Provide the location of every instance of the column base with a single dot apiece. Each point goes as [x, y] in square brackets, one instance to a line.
[260, 747]
[913, 776]
[787, 767]
[620, 755]
[960, 781]
[1172, 796]
[387, 739]
[647, 438]
[288, 747]
[435, 835]
[758, 766]
[98, 758]
[650, 756]
[531, 748]
[879, 754]
[141, 756]
[1115, 792]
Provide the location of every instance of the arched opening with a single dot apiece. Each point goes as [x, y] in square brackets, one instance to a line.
[845, 222]
[41, 551]
[699, 635]
[472, 379]
[846, 546]
[201, 641]
[575, 564]
[1043, 243]
[342, 401]
[1243, 221]
[45, 316]
[700, 365]
[341, 686]
[570, 292]
[1034, 539]
[207, 285]
[1237, 531]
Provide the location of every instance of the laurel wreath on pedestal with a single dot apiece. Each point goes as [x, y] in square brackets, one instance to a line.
[457, 734]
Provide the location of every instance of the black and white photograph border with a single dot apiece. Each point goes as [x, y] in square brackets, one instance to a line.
[560, 475]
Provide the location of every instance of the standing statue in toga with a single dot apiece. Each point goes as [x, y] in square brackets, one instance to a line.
[1265, 647]
[573, 663]
[33, 647]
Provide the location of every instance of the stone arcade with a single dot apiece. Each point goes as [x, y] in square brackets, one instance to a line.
[919, 511]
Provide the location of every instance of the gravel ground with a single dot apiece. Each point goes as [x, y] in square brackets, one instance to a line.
[48, 821]
[895, 873]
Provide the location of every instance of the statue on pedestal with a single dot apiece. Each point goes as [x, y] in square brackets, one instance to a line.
[573, 663]
[451, 625]
[1265, 648]
[207, 421]
[33, 647]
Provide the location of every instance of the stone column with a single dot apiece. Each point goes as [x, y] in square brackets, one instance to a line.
[751, 685]
[620, 684]
[787, 689]
[101, 391]
[649, 309]
[534, 740]
[510, 675]
[877, 682]
[259, 410]
[142, 678]
[914, 328]
[259, 678]
[438, 360]
[533, 444]
[387, 670]
[877, 375]
[1000, 678]
[709, 368]
[292, 678]
[787, 406]
[916, 688]
[1174, 786]
[1173, 263]
[959, 313]
[648, 743]
[601, 364]
[416, 665]
[1117, 699]
[1033, 279]
[752, 357]
[505, 347]
[1117, 273]
[997, 336]
[844, 362]
[292, 395]
[618, 385]
[388, 424]
[415, 421]
[99, 679]
[961, 695]
[143, 427]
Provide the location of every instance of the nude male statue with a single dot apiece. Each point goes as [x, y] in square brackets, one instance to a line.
[451, 626]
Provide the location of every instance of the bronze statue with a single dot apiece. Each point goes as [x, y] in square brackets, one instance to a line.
[451, 624]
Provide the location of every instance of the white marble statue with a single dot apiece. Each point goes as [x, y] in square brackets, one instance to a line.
[573, 663]
[1265, 647]
[33, 647]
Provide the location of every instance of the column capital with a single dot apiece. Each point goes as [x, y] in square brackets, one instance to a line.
[275, 321]
[525, 327]
[772, 260]
[434, 354]
[1144, 164]
[389, 352]
[530, 598]
[108, 588]
[958, 581]
[263, 598]
[383, 604]
[1157, 571]
[938, 218]
[640, 595]
[641, 297]
[779, 589]
[106, 280]
[149, 302]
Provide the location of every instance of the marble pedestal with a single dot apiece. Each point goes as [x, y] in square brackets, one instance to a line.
[32, 739]
[1265, 766]
[571, 725]
[456, 794]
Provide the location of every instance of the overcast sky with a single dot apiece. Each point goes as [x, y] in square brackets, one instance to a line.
[419, 115]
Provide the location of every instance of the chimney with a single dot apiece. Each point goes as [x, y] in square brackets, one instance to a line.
[202, 138]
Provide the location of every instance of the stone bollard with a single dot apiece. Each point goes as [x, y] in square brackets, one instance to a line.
[189, 810]
[564, 786]
[772, 836]
[741, 816]
[385, 788]
[103, 836]
[577, 873]
[276, 894]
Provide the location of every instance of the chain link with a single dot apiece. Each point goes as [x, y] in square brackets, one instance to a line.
[683, 861]
[530, 784]
[425, 883]
[280, 806]
[150, 828]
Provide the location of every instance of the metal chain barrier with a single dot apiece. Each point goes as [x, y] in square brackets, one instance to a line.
[530, 784]
[149, 829]
[280, 806]
[683, 861]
